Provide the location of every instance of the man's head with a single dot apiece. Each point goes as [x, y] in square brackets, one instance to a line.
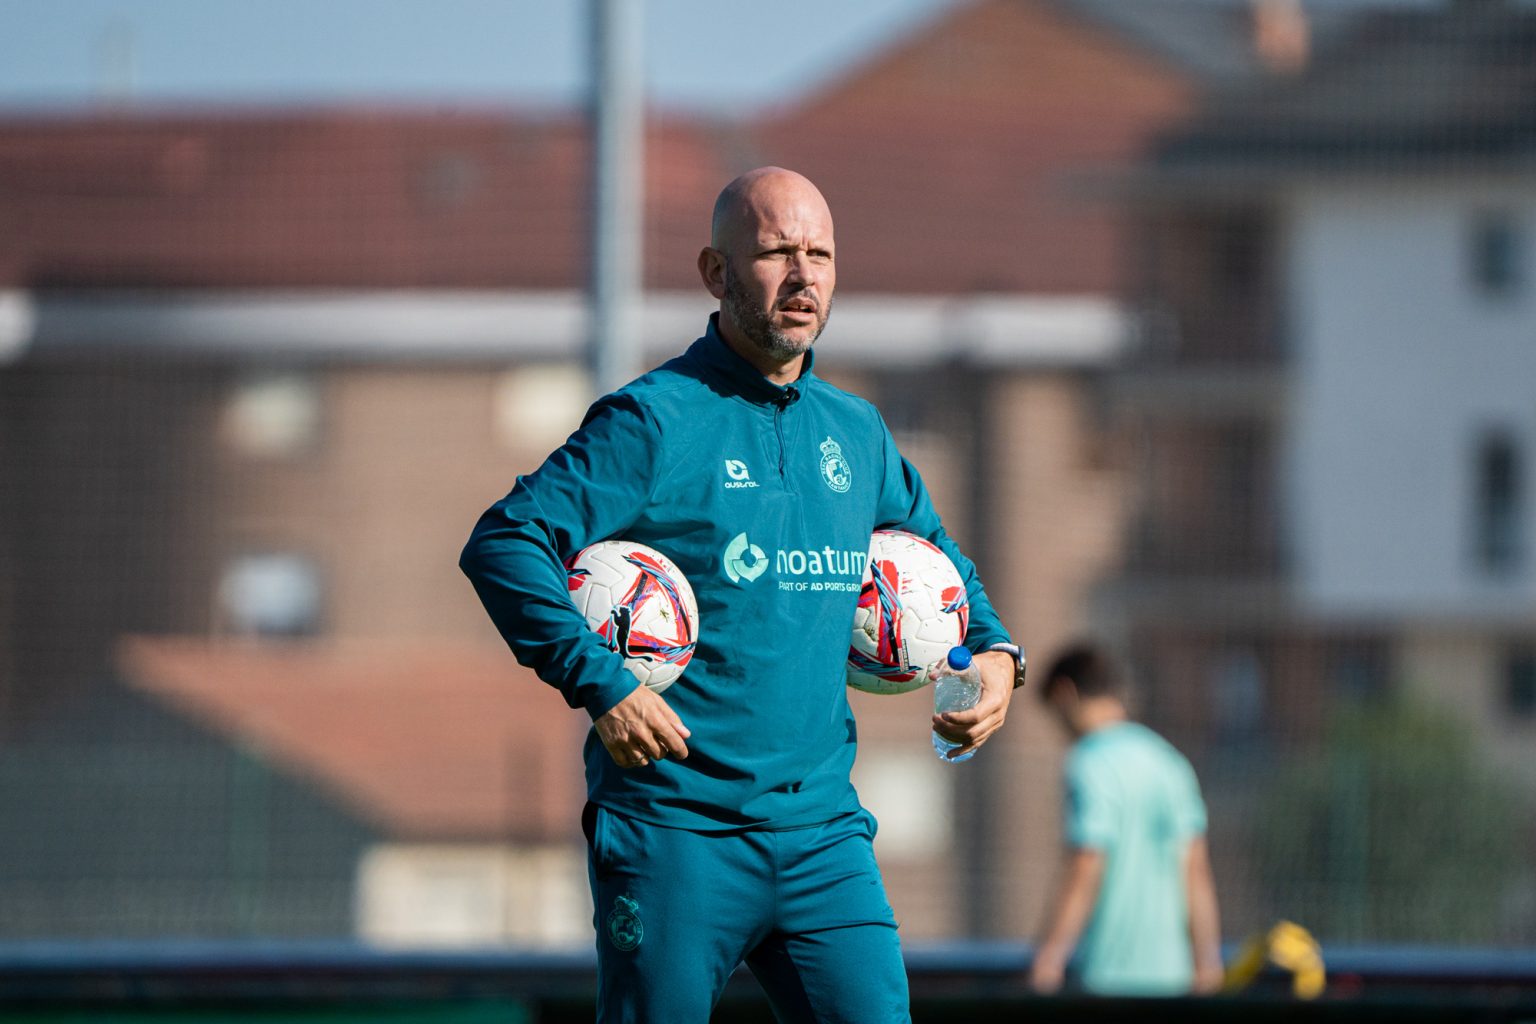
[770, 263]
[1085, 688]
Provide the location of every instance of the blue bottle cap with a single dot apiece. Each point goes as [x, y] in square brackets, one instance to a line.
[959, 659]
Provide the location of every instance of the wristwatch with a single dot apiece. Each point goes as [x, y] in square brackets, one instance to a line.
[1017, 653]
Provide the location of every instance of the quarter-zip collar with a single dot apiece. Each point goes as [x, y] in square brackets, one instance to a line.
[741, 376]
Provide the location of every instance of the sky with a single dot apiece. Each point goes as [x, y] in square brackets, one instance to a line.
[706, 55]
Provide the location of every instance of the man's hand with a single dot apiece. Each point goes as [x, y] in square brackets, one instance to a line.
[1204, 918]
[1082, 872]
[971, 728]
[640, 729]
[1208, 978]
[1047, 971]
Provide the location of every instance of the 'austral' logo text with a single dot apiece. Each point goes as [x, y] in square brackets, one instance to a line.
[739, 475]
[745, 562]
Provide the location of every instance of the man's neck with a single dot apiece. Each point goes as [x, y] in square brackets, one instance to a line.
[779, 373]
[1097, 713]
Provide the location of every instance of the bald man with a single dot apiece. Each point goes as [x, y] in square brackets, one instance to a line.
[721, 821]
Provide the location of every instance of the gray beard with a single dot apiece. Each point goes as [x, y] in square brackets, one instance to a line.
[758, 325]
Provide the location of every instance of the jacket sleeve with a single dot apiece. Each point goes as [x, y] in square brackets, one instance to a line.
[904, 505]
[592, 488]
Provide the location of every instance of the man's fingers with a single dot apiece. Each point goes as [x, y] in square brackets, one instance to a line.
[666, 731]
[986, 708]
[652, 738]
[949, 730]
[967, 748]
[966, 724]
[969, 738]
[628, 755]
[674, 733]
[675, 722]
[672, 745]
[973, 742]
[972, 727]
[641, 729]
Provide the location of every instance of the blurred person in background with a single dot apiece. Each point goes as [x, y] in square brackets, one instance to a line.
[736, 836]
[1136, 912]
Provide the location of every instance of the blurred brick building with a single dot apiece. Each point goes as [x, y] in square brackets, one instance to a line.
[1329, 391]
[1329, 379]
[264, 369]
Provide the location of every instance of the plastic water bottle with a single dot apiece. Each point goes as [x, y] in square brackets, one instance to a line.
[956, 687]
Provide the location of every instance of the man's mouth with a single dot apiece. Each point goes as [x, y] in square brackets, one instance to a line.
[799, 308]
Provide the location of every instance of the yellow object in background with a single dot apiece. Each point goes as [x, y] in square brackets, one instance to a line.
[1289, 947]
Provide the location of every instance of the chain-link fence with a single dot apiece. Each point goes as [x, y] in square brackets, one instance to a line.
[1210, 326]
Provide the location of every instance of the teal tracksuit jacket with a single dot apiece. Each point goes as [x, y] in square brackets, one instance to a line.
[765, 497]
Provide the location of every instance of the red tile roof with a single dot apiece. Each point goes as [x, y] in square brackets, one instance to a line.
[946, 160]
[337, 199]
[425, 743]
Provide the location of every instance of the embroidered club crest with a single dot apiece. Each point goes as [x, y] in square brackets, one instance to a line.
[624, 928]
[835, 470]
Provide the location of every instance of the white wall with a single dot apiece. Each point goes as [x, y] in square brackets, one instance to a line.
[1462, 671]
[1398, 365]
[473, 895]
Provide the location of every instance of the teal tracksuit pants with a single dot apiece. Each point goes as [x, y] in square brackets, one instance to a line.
[676, 911]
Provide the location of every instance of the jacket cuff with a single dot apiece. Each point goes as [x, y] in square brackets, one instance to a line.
[600, 698]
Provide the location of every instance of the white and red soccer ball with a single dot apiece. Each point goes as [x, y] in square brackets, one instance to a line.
[912, 609]
[640, 603]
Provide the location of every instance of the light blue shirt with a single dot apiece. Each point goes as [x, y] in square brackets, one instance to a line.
[1131, 796]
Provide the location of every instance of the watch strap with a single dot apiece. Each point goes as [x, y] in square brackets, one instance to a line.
[1017, 653]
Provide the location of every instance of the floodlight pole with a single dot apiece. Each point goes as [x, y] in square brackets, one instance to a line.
[618, 183]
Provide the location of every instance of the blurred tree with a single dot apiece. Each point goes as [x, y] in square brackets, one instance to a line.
[1394, 830]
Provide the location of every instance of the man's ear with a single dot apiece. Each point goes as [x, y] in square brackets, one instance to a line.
[712, 271]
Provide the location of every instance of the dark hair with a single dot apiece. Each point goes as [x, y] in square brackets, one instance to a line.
[1090, 668]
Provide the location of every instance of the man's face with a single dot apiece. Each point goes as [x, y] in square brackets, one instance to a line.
[778, 271]
[781, 329]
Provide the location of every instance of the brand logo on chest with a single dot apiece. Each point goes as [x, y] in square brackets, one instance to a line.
[835, 471]
[740, 476]
[743, 560]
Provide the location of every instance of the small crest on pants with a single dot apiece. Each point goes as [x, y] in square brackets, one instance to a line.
[624, 928]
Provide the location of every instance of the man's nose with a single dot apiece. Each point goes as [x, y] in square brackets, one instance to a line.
[800, 267]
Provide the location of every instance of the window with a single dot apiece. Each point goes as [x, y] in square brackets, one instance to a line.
[909, 791]
[537, 406]
[271, 594]
[1498, 501]
[273, 415]
[1496, 256]
[1236, 681]
[1520, 683]
[934, 400]
[1239, 248]
[1358, 668]
[18, 321]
